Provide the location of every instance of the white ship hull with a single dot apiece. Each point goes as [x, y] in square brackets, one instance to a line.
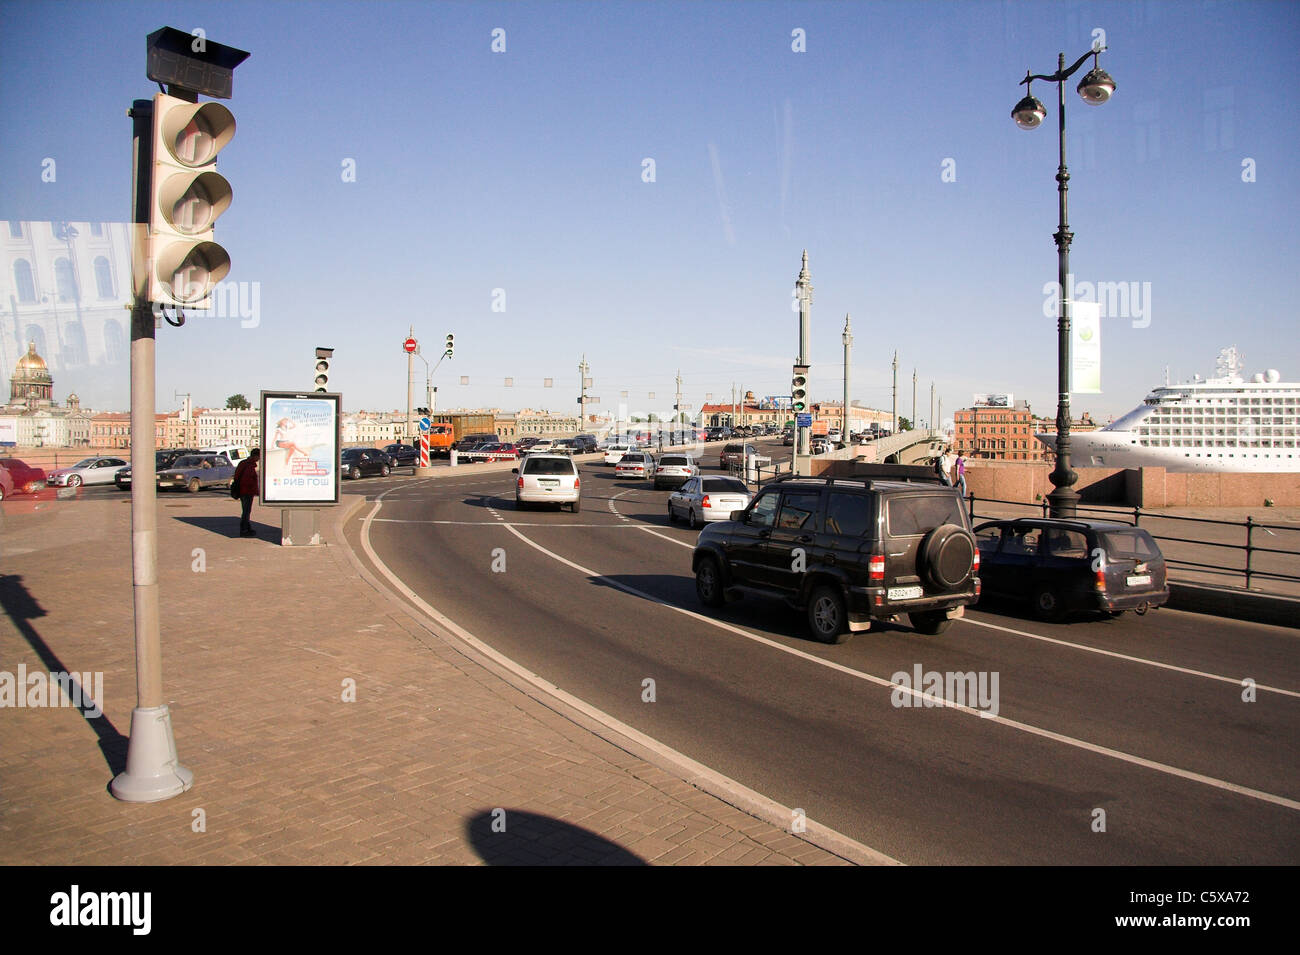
[1119, 449]
[1223, 425]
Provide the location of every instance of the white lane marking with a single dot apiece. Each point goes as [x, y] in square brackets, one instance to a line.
[394, 520]
[698, 774]
[920, 696]
[1130, 659]
[672, 540]
[614, 510]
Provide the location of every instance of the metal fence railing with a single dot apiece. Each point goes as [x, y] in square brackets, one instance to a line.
[1246, 543]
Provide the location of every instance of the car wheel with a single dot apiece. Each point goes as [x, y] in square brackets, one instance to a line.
[694, 523]
[930, 622]
[672, 515]
[2, 494]
[1047, 604]
[827, 616]
[356, 474]
[575, 507]
[708, 583]
[194, 485]
[1141, 609]
[74, 480]
[383, 470]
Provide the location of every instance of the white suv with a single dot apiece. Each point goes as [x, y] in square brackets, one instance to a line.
[547, 479]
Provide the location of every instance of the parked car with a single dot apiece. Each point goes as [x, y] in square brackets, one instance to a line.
[548, 479]
[86, 471]
[787, 439]
[638, 464]
[585, 443]
[819, 445]
[26, 478]
[708, 498]
[161, 459]
[197, 471]
[542, 446]
[523, 445]
[492, 452]
[402, 455]
[674, 470]
[888, 541]
[233, 452]
[1065, 566]
[6, 484]
[364, 462]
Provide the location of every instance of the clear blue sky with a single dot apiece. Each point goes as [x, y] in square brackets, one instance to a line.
[523, 171]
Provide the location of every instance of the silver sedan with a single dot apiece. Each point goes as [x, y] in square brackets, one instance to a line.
[708, 498]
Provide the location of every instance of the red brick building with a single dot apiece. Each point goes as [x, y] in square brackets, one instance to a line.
[1000, 434]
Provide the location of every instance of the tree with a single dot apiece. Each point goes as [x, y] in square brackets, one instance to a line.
[904, 424]
[238, 403]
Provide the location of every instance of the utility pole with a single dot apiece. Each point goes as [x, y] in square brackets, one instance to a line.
[847, 338]
[583, 368]
[893, 428]
[913, 398]
[678, 406]
[804, 291]
[410, 406]
[940, 422]
[734, 423]
[931, 421]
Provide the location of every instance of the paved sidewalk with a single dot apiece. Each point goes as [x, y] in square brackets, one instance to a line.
[260, 646]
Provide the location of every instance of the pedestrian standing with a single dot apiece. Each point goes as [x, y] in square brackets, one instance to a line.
[961, 472]
[244, 485]
[940, 471]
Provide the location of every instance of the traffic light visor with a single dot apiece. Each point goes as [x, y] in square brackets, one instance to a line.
[190, 204]
[188, 273]
[195, 132]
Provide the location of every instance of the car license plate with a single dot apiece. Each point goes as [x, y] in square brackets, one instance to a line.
[905, 593]
[1140, 580]
[548, 482]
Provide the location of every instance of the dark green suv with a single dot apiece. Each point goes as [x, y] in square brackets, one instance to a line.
[889, 540]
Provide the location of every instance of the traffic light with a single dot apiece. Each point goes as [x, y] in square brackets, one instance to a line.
[323, 356]
[451, 342]
[187, 194]
[799, 389]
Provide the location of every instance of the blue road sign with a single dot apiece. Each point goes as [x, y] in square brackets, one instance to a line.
[803, 420]
[425, 424]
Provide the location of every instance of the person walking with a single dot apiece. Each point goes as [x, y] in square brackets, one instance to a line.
[939, 468]
[961, 472]
[244, 486]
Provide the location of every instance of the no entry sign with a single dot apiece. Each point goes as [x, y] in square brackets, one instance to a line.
[409, 346]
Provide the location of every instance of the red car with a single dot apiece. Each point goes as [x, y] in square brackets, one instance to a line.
[25, 478]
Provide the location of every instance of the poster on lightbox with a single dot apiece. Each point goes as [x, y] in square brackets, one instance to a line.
[1085, 372]
[300, 457]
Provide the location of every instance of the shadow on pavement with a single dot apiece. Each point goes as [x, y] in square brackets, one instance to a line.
[21, 607]
[516, 837]
[228, 526]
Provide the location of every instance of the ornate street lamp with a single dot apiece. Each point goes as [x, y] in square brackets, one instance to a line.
[1095, 88]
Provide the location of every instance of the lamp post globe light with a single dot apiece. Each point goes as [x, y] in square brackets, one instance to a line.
[1095, 88]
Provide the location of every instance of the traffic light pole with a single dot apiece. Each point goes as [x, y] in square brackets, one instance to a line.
[153, 772]
[802, 463]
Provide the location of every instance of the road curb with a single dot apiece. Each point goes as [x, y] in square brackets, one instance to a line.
[601, 724]
[1275, 609]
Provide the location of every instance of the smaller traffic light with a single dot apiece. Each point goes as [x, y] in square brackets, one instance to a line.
[451, 342]
[323, 355]
[799, 389]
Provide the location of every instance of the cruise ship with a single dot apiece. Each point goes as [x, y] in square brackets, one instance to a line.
[1224, 423]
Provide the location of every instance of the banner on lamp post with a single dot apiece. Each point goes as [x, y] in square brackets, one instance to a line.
[1085, 348]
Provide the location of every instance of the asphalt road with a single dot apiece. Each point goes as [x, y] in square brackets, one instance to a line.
[1135, 723]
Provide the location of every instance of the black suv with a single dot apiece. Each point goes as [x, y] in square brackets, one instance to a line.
[890, 540]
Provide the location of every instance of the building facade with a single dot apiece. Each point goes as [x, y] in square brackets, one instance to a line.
[996, 433]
